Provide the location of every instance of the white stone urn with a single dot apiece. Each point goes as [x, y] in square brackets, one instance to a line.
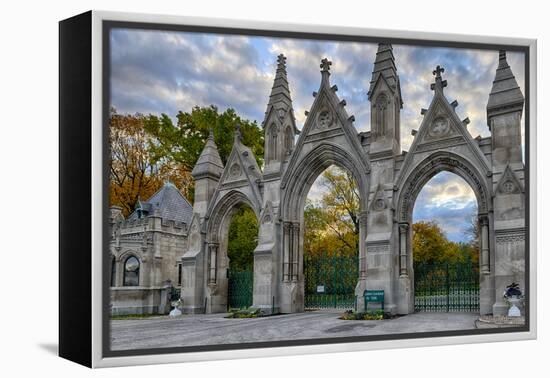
[515, 303]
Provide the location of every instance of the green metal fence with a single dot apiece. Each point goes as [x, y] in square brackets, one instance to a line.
[240, 288]
[446, 287]
[330, 281]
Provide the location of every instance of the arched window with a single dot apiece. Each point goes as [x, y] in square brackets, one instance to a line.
[113, 271]
[381, 118]
[131, 271]
[272, 134]
[288, 139]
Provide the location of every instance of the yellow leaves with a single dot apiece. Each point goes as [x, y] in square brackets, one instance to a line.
[429, 244]
[331, 225]
[133, 173]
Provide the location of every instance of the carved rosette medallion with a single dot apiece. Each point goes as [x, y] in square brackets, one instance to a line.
[379, 204]
[440, 127]
[324, 119]
[235, 170]
[508, 187]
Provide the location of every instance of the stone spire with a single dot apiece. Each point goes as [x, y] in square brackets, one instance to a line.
[279, 122]
[505, 96]
[384, 66]
[279, 98]
[209, 162]
[385, 100]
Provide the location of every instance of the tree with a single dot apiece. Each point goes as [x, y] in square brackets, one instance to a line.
[180, 145]
[134, 172]
[429, 244]
[243, 238]
[183, 142]
[332, 224]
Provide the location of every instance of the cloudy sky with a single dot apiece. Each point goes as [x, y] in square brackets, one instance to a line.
[164, 72]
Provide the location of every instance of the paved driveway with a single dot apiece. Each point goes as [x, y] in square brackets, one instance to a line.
[192, 330]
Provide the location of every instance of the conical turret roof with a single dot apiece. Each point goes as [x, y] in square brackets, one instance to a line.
[505, 92]
[209, 162]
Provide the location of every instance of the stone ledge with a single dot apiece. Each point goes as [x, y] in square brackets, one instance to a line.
[490, 321]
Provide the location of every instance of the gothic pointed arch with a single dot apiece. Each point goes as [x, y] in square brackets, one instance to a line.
[224, 206]
[272, 135]
[328, 137]
[442, 142]
[428, 168]
[310, 167]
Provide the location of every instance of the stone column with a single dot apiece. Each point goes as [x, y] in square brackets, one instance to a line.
[295, 248]
[484, 239]
[403, 231]
[213, 248]
[362, 245]
[286, 253]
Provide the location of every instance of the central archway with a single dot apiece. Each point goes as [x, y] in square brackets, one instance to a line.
[331, 242]
[295, 187]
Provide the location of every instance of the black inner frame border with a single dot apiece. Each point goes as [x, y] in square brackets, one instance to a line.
[108, 25]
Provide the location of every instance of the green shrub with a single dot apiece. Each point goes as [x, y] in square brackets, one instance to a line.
[244, 313]
[366, 315]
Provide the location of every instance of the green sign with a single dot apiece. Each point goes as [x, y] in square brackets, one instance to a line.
[374, 296]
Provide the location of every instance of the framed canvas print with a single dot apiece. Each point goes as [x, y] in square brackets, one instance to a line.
[232, 189]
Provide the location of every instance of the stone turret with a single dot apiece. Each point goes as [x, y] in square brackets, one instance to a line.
[386, 104]
[206, 173]
[504, 111]
[279, 122]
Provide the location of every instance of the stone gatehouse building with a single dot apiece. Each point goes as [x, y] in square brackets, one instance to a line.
[388, 178]
[145, 252]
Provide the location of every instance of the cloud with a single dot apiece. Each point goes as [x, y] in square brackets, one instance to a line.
[448, 200]
[164, 72]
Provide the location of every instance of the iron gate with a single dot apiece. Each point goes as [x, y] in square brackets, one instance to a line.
[446, 287]
[330, 281]
[240, 288]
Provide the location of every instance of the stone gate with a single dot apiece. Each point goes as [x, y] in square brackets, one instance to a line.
[388, 180]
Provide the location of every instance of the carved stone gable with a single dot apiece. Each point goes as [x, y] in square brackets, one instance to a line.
[509, 183]
[195, 234]
[378, 202]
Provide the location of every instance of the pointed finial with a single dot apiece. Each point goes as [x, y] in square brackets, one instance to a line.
[502, 62]
[325, 65]
[281, 60]
[237, 132]
[438, 71]
[439, 82]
